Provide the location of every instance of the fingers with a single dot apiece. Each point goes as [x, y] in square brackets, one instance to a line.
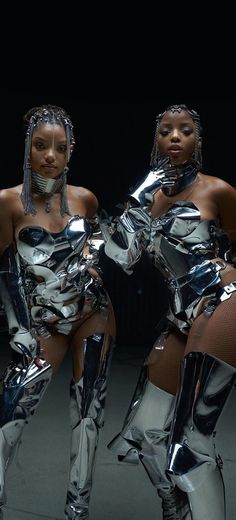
[39, 362]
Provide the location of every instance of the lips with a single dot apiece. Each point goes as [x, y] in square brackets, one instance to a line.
[175, 148]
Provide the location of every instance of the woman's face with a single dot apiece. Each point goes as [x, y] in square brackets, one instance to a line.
[48, 150]
[176, 137]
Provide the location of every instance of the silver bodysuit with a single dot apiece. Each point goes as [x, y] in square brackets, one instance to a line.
[58, 286]
[181, 247]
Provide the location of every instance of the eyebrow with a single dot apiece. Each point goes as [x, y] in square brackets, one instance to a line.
[183, 123]
[64, 141]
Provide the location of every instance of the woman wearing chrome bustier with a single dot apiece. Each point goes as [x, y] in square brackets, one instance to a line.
[179, 215]
[54, 298]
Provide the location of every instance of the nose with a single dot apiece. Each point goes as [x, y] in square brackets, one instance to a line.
[175, 135]
[50, 155]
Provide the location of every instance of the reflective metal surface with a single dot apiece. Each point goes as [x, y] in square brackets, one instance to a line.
[87, 401]
[55, 269]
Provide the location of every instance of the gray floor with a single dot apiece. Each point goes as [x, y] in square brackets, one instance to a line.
[36, 480]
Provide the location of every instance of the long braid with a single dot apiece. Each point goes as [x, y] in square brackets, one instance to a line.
[155, 156]
[35, 116]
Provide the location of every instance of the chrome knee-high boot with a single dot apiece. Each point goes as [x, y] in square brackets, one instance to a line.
[22, 387]
[145, 437]
[192, 462]
[87, 417]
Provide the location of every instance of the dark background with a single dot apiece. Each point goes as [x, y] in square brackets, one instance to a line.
[113, 146]
[114, 140]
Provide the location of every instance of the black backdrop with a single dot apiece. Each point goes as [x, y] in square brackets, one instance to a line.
[114, 140]
[113, 145]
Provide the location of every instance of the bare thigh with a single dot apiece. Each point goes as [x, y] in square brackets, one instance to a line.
[164, 364]
[54, 349]
[217, 334]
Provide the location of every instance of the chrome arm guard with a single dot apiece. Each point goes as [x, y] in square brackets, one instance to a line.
[15, 306]
[130, 235]
[162, 176]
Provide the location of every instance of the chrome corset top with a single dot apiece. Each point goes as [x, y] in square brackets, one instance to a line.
[180, 240]
[36, 245]
[55, 272]
[182, 247]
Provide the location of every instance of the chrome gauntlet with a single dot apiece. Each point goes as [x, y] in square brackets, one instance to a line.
[162, 176]
[15, 306]
[130, 235]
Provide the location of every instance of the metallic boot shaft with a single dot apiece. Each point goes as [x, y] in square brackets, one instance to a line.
[144, 438]
[145, 435]
[21, 391]
[192, 464]
[87, 403]
[10, 434]
[207, 502]
[206, 385]
[175, 504]
[83, 451]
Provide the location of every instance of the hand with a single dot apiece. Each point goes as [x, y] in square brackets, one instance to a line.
[144, 191]
[39, 362]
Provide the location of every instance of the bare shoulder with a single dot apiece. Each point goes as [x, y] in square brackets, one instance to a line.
[216, 185]
[85, 198]
[10, 208]
[223, 196]
[9, 197]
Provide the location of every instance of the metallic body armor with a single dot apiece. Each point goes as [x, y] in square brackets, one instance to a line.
[169, 438]
[46, 285]
[181, 247]
[58, 286]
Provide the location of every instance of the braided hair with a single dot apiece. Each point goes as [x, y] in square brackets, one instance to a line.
[197, 155]
[44, 114]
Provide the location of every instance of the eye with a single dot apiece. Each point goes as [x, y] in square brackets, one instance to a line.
[38, 145]
[164, 132]
[62, 148]
[187, 131]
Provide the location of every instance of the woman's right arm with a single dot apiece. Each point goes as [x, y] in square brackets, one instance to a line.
[131, 232]
[127, 236]
[6, 219]
[11, 287]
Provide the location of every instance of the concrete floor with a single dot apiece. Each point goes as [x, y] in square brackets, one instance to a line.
[36, 480]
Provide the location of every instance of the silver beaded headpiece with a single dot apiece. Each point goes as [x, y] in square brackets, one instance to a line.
[41, 115]
[197, 155]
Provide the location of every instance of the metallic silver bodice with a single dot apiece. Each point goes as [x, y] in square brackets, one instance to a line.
[181, 247]
[37, 246]
[179, 240]
[54, 268]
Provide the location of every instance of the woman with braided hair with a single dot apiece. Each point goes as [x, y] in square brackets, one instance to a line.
[54, 299]
[180, 215]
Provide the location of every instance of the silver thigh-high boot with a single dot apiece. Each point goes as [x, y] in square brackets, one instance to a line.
[87, 417]
[22, 387]
[192, 461]
[145, 437]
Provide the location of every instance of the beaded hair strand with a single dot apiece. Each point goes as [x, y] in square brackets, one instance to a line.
[197, 156]
[41, 115]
